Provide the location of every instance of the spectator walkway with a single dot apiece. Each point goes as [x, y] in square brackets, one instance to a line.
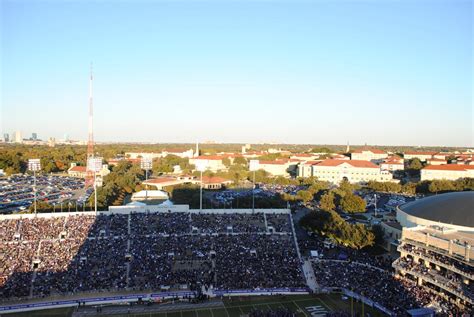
[309, 275]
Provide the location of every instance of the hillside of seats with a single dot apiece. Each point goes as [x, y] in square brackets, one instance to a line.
[146, 251]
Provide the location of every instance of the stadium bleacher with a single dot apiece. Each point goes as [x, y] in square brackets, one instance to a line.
[72, 253]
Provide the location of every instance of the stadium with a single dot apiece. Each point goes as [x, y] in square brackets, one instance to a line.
[436, 246]
[162, 253]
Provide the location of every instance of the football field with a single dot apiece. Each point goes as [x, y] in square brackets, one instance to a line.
[302, 305]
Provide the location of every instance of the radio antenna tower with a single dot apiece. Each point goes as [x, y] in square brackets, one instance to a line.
[90, 141]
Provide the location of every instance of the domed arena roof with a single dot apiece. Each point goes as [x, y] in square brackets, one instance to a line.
[451, 208]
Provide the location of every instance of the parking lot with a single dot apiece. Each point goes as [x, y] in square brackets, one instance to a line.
[17, 193]
[229, 196]
[385, 202]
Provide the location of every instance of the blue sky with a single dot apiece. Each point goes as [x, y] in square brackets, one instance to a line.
[376, 72]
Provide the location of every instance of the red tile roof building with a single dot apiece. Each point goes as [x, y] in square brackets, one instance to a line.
[214, 182]
[373, 155]
[421, 155]
[214, 162]
[447, 171]
[392, 164]
[80, 171]
[281, 167]
[355, 171]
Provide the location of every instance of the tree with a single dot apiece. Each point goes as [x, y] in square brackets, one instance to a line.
[441, 185]
[464, 184]
[346, 186]
[262, 176]
[48, 165]
[318, 186]
[327, 202]
[240, 160]
[409, 189]
[352, 203]
[388, 187]
[304, 195]
[321, 150]
[330, 224]
[41, 206]
[287, 197]
[415, 164]
[270, 157]
[378, 234]
[226, 161]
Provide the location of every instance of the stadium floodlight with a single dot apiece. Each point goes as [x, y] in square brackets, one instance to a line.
[94, 164]
[375, 205]
[34, 165]
[254, 165]
[146, 163]
[201, 166]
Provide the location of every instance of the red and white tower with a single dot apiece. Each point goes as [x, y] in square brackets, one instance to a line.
[90, 142]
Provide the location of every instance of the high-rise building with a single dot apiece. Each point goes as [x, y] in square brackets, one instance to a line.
[6, 137]
[34, 136]
[18, 137]
[52, 142]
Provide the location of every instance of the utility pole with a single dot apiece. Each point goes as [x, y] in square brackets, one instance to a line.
[34, 165]
[375, 205]
[253, 166]
[146, 164]
[201, 165]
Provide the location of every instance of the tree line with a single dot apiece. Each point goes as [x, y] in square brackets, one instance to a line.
[424, 187]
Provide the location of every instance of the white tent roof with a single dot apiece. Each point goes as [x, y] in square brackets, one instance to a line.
[167, 203]
[136, 203]
[151, 194]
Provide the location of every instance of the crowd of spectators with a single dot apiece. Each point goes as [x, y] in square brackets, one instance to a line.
[447, 278]
[257, 261]
[15, 267]
[446, 260]
[84, 253]
[170, 261]
[220, 223]
[330, 251]
[166, 223]
[8, 229]
[397, 295]
[280, 222]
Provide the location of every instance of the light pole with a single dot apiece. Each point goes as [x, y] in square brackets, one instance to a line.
[94, 164]
[375, 205]
[34, 165]
[146, 164]
[254, 166]
[201, 166]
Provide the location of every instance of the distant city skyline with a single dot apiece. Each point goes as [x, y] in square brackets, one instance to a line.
[301, 72]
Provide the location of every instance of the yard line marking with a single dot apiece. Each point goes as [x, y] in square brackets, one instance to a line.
[226, 312]
[302, 309]
[334, 308]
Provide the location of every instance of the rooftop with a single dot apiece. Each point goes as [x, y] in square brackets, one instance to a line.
[450, 167]
[353, 163]
[451, 208]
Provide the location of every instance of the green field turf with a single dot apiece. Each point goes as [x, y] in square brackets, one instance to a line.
[303, 305]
